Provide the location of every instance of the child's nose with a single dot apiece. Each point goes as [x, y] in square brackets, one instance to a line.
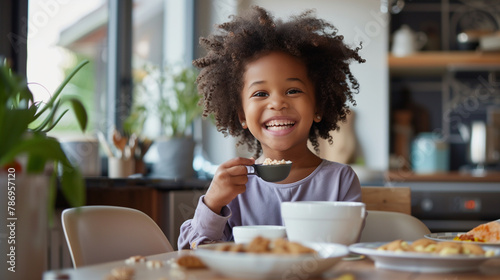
[277, 102]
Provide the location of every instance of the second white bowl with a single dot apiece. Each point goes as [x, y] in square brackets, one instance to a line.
[245, 234]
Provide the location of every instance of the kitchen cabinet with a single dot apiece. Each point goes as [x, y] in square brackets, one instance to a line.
[442, 88]
[442, 92]
[144, 199]
[168, 202]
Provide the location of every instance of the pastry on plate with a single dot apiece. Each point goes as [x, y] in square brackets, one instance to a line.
[489, 232]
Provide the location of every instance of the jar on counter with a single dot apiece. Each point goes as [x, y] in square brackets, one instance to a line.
[430, 154]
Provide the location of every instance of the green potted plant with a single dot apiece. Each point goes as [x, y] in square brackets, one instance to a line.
[170, 96]
[32, 165]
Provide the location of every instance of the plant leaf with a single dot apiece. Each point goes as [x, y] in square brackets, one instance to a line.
[49, 118]
[55, 122]
[72, 186]
[39, 145]
[36, 164]
[14, 123]
[61, 87]
[13, 88]
[80, 113]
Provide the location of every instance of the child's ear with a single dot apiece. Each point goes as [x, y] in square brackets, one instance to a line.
[242, 119]
[317, 117]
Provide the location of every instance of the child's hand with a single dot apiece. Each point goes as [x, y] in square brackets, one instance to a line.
[229, 181]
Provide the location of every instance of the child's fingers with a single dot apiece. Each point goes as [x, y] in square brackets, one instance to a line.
[236, 175]
[238, 170]
[237, 161]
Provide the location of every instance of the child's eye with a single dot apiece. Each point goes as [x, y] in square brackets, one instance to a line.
[293, 91]
[260, 94]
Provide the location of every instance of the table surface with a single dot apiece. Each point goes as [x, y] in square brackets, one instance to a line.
[360, 269]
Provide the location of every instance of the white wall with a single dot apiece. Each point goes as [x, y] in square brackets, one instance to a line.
[357, 20]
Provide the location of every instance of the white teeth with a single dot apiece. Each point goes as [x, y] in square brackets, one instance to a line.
[279, 124]
[276, 128]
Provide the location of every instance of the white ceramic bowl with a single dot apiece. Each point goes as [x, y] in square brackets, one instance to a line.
[272, 266]
[245, 234]
[323, 221]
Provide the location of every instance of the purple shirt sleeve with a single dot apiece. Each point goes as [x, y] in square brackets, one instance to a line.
[260, 204]
[206, 226]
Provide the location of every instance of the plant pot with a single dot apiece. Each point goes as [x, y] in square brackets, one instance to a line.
[175, 158]
[23, 235]
[83, 152]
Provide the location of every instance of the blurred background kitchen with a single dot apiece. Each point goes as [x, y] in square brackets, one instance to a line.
[427, 115]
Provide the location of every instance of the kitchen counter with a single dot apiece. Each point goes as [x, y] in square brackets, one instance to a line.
[200, 184]
[148, 182]
[454, 176]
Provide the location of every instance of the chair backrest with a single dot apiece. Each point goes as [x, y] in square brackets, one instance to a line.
[388, 226]
[395, 199]
[97, 234]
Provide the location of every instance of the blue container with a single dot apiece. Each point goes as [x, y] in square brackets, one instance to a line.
[430, 154]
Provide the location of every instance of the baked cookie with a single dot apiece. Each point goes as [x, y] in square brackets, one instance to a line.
[135, 259]
[297, 249]
[472, 249]
[396, 246]
[121, 273]
[423, 245]
[190, 262]
[259, 245]
[154, 264]
[448, 248]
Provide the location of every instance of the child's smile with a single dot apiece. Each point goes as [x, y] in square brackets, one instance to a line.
[278, 100]
[280, 126]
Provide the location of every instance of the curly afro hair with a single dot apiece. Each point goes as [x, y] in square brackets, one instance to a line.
[246, 38]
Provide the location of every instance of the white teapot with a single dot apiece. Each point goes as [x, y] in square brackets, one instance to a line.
[405, 41]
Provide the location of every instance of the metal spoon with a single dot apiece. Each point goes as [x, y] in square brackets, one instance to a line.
[271, 172]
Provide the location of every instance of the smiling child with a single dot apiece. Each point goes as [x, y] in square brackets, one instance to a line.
[276, 85]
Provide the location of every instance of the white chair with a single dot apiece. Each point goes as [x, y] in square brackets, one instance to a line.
[97, 234]
[385, 226]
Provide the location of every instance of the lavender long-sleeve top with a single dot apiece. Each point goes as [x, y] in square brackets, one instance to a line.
[260, 203]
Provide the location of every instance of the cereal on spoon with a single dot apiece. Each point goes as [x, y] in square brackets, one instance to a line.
[269, 161]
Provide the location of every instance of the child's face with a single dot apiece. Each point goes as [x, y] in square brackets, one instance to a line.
[278, 102]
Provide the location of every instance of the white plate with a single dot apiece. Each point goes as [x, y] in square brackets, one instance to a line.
[448, 236]
[266, 266]
[420, 262]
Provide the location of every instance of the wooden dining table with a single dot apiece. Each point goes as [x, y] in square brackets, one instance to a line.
[358, 269]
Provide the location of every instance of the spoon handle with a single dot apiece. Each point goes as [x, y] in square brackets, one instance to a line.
[254, 170]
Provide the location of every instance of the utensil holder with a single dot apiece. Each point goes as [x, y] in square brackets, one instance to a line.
[120, 167]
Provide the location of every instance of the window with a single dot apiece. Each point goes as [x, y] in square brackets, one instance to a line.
[158, 32]
[60, 35]
[63, 33]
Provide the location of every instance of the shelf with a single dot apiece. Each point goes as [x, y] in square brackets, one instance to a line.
[433, 63]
